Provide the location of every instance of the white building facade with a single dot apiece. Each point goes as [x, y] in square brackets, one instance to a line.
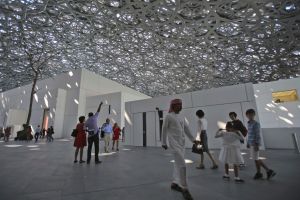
[278, 120]
[59, 101]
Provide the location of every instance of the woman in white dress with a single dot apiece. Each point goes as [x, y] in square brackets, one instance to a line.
[231, 152]
[175, 128]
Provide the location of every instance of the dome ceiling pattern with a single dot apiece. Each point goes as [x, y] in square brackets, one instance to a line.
[157, 47]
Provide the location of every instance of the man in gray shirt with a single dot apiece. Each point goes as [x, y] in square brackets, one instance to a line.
[93, 135]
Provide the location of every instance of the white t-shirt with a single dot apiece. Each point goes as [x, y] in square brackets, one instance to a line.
[202, 124]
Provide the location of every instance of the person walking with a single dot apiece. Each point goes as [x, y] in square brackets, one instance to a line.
[231, 151]
[93, 135]
[107, 130]
[37, 133]
[50, 132]
[116, 136]
[80, 139]
[123, 134]
[7, 133]
[254, 141]
[238, 125]
[202, 127]
[43, 133]
[28, 133]
[174, 129]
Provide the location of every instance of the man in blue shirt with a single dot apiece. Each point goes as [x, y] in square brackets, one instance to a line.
[254, 141]
[107, 129]
[93, 136]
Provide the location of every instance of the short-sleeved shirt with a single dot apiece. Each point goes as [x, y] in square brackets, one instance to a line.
[91, 122]
[202, 124]
[107, 128]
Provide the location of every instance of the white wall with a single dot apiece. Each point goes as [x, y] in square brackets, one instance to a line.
[278, 120]
[66, 97]
[16, 117]
[94, 85]
[113, 99]
[48, 96]
[216, 103]
[59, 113]
[97, 87]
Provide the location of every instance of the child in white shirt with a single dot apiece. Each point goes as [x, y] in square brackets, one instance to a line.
[231, 152]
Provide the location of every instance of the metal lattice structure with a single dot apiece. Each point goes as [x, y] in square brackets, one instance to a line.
[157, 47]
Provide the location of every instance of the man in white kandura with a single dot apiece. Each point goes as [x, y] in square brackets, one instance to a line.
[175, 128]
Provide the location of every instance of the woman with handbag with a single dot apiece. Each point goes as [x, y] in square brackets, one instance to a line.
[80, 139]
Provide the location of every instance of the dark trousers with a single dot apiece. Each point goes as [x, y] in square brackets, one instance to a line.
[36, 136]
[93, 139]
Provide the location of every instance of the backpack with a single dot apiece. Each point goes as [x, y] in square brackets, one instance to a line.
[238, 125]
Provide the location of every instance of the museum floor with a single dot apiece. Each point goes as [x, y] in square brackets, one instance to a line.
[46, 171]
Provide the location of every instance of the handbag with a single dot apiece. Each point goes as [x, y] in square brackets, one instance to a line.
[197, 148]
[102, 134]
[74, 133]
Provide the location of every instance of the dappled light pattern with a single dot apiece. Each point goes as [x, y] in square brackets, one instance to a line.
[154, 46]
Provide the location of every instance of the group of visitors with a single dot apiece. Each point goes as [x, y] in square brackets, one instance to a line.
[89, 131]
[175, 128]
[39, 133]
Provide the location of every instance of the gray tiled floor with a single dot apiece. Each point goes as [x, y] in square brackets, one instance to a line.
[46, 171]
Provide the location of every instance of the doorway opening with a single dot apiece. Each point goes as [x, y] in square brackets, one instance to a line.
[45, 118]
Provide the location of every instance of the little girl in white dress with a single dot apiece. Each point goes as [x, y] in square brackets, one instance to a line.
[231, 152]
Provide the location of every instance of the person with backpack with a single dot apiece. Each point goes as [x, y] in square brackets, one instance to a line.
[237, 124]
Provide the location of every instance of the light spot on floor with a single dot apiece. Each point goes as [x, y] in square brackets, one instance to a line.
[187, 161]
[13, 145]
[32, 146]
[34, 149]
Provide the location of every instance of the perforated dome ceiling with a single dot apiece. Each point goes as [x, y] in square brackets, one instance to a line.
[157, 47]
